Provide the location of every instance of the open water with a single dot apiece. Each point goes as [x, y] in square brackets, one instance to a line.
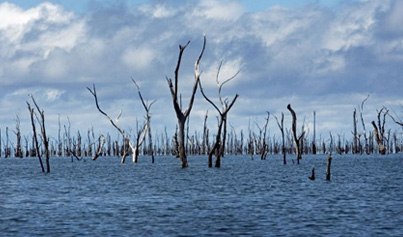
[244, 198]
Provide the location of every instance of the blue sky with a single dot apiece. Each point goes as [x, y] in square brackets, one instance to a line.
[81, 6]
[323, 56]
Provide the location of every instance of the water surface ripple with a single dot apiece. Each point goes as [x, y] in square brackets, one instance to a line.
[244, 198]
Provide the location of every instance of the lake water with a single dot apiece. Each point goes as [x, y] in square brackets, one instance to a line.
[245, 197]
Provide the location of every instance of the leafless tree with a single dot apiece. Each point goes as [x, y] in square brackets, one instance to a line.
[379, 131]
[314, 134]
[18, 150]
[364, 132]
[264, 144]
[126, 137]
[281, 127]
[147, 128]
[182, 116]
[219, 145]
[297, 139]
[45, 139]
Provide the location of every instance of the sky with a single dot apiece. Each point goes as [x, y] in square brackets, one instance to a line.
[324, 56]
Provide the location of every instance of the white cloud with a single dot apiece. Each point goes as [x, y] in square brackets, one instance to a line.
[157, 11]
[218, 10]
[138, 58]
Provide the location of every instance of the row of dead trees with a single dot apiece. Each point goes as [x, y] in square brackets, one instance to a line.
[255, 142]
[222, 142]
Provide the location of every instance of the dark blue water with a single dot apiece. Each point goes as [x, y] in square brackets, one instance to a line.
[244, 197]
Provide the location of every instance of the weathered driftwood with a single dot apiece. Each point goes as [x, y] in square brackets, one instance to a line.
[182, 116]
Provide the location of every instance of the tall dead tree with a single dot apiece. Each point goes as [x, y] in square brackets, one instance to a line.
[379, 131]
[264, 143]
[147, 129]
[45, 139]
[182, 116]
[356, 137]
[297, 139]
[364, 132]
[314, 134]
[219, 145]
[205, 141]
[126, 137]
[281, 127]
[18, 150]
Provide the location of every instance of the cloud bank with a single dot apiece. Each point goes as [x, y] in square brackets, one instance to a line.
[316, 58]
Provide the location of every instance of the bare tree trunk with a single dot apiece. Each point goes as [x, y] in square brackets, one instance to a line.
[45, 139]
[379, 132]
[329, 163]
[18, 151]
[219, 146]
[264, 145]
[355, 135]
[314, 134]
[183, 116]
[363, 125]
[34, 135]
[101, 143]
[297, 140]
[281, 127]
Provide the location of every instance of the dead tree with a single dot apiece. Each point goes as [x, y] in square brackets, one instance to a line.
[7, 150]
[45, 139]
[219, 145]
[297, 139]
[147, 128]
[281, 127]
[101, 143]
[364, 132]
[262, 139]
[314, 134]
[379, 131]
[126, 137]
[182, 116]
[18, 150]
[329, 163]
[205, 141]
[356, 137]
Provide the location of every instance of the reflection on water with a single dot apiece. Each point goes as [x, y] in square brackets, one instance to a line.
[244, 197]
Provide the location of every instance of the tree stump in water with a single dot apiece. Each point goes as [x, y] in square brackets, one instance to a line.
[329, 162]
[313, 174]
